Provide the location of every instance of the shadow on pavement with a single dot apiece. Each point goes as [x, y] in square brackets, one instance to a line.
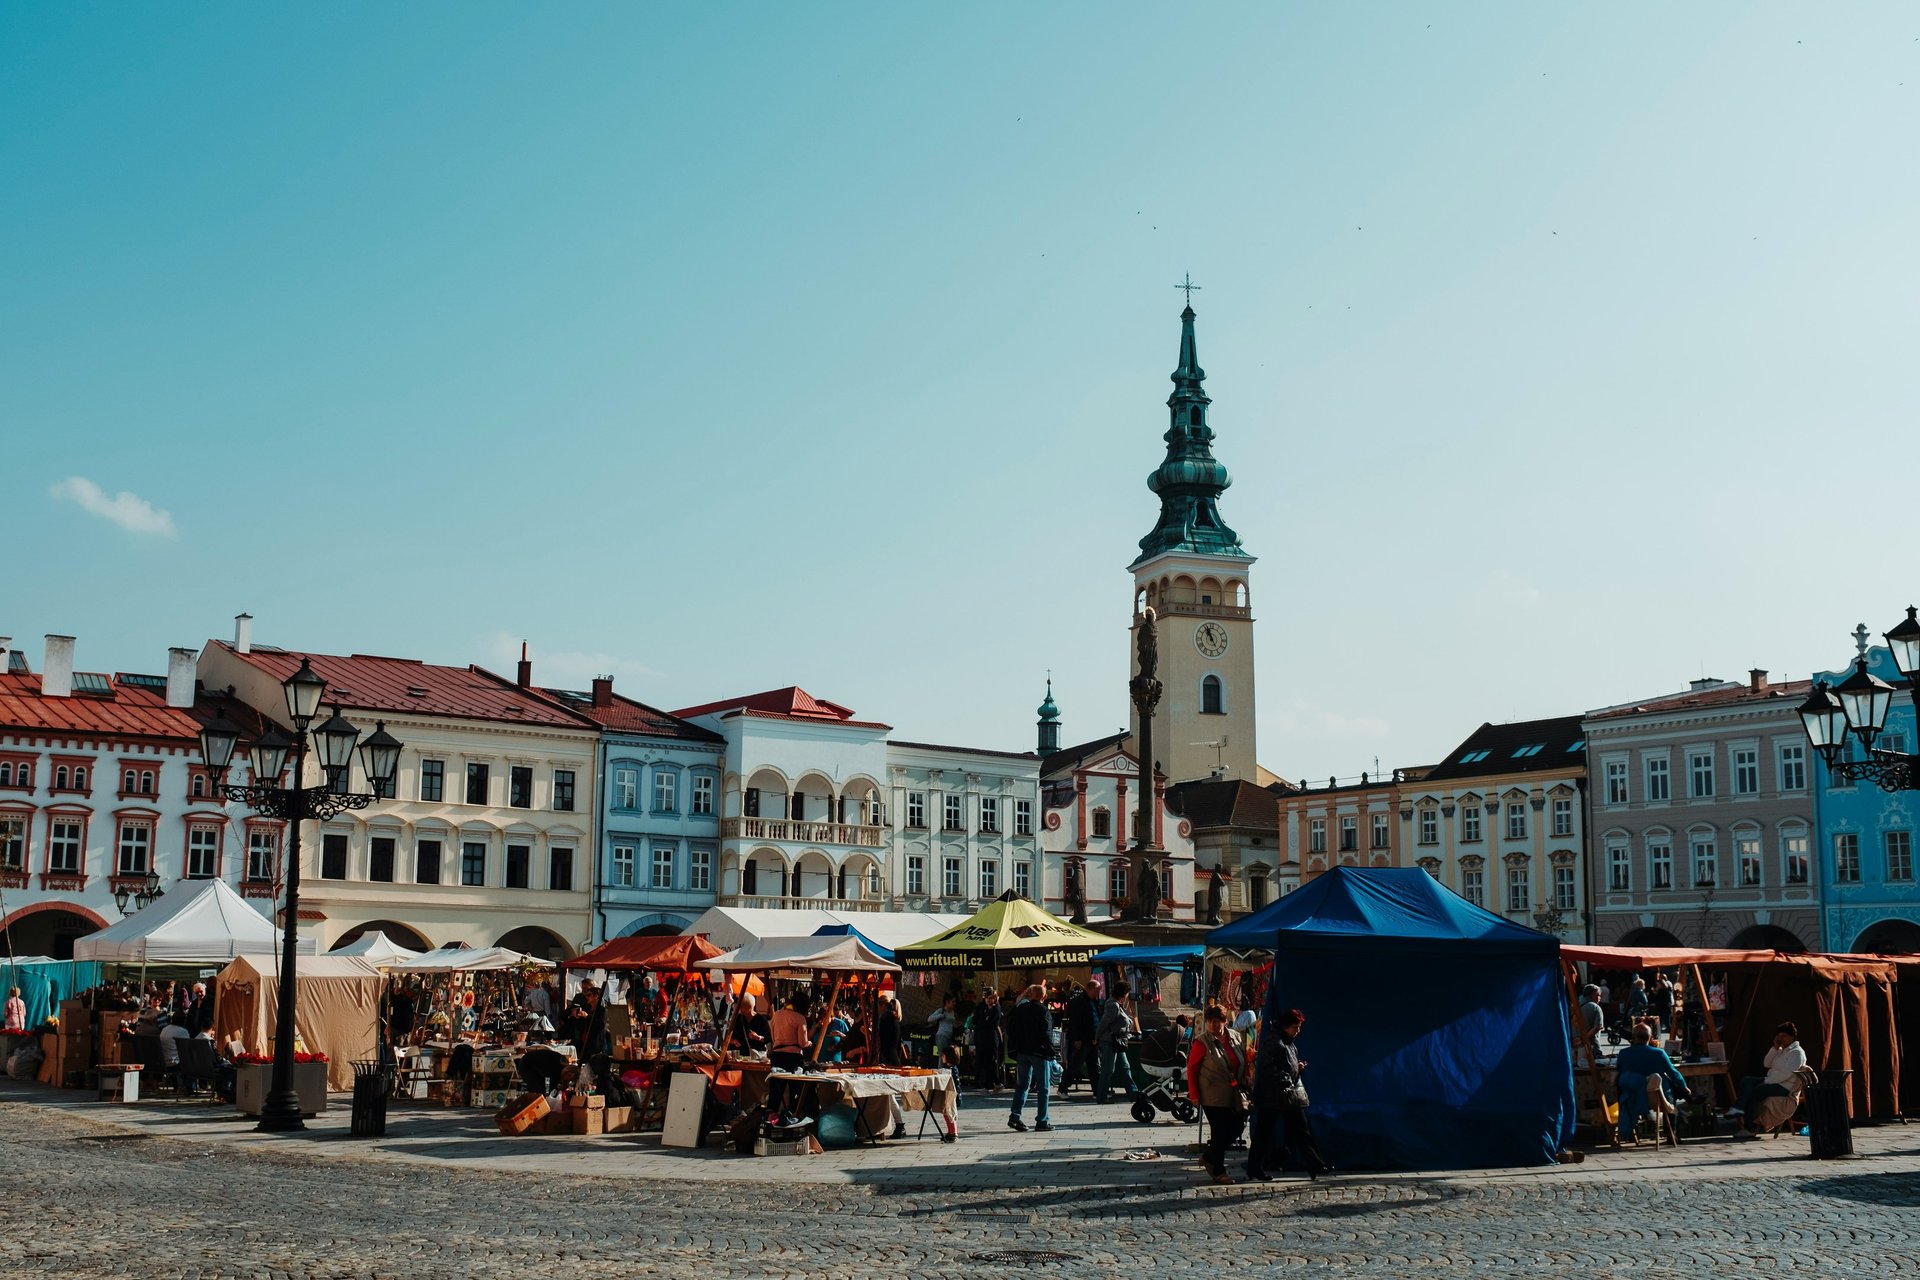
[1894, 1190]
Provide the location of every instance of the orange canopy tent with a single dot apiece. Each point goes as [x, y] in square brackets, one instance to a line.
[675, 954]
[1618, 958]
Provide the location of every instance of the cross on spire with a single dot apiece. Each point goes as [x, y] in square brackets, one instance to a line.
[1189, 286]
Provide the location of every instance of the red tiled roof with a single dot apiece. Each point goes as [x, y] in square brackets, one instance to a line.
[790, 703]
[364, 682]
[1699, 699]
[133, 711]
[627, 716]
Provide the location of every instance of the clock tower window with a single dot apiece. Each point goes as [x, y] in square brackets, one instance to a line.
[1212, 702]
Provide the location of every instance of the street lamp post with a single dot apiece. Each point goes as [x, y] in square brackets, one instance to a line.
[334, 741]
[140, 899]
[1859, 705]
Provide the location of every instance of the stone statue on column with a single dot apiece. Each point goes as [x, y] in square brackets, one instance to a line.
[1145, 692]
[1216, 889]
[1076, 893]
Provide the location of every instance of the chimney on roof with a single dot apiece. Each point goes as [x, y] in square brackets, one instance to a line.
[603, 691]
[1757, 680]
[526, 668]
[56, 680]
[1702, 684]
[180, 678]
[243, 633]
[6, 646]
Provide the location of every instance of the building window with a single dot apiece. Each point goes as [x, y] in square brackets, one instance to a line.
[1469, 825]
[989, 816]
[665, 787]
[1349, 835]
[1706, 863]
[989, 878]
[263, 851]
[1211, 701]
[519, 865]
[563, 790]
[955, 815]
[1659, 779]
[700, 869]
[13, 844]
[1102, 824]
[1619, 869]
[333, 856]
[148, 782]
[380, 859]
[63, 847]
[1023, 819]
[1846, 858]
[1117, 879]
[1519, 889]
[703, 795]
[916, 873]
[1793, 768]
[1516, 821]
[1563, 817]
[1023, 879]
[917, 810]
[749, 802]
[1317, 835]
[1429, 826]
[1746, 772]
[623, 866]
[951, 883]
[1563, 889]
[473, 863]
[426, 862]
[662, 875]
[1700, 771]
[477, 783]
[560, 870]
[433, 780]
[136, 843]
[1794, 849]
[1747, 848]
[626, 790]
[1660, 863]
[1256, 890]
[1616, 782]
[196, 786]
[520, 787]
[1899, 855]
[203, 853]
[1380, 829]
[1473, 886]
[79, 778]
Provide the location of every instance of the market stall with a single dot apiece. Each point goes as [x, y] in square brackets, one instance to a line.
[337, 1003]
[1437, 1030]
[196, 922]
[668, 1003]
[377, 949]
[470, 1029]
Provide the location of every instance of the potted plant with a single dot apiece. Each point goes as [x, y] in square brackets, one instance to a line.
[253, 1077]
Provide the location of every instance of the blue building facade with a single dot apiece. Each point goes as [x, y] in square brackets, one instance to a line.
[658, 828]
[1870, 898]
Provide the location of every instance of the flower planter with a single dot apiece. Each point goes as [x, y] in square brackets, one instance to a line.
[252, 1081]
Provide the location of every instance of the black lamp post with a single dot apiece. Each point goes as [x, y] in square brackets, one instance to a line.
[334, 741]
[1859, 704]
[143, 897]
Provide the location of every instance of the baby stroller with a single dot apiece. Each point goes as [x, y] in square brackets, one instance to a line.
[1160, 1077]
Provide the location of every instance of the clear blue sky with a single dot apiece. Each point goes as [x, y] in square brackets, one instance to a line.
[733, 347]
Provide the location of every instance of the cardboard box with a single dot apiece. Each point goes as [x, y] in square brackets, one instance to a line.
[589, 1101]
[589, 1122]
[619, 1119]
[805, 1147]
[522, 1113]
[556, 1122]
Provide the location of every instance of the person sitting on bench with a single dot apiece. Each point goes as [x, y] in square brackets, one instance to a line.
[1784, 1057]
[1635, 1065]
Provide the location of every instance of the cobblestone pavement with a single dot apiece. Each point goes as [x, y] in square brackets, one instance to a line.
[82, 1195]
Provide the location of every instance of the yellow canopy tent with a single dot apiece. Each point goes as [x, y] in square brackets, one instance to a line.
[338, 1006]
[1008, 933]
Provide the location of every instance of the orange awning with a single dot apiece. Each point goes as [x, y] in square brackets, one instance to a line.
[1661, 957]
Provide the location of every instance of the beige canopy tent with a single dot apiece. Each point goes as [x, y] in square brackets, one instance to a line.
[338, 1008]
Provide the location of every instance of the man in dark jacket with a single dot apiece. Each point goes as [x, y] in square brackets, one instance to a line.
[1083, 1017]
[1030, 1036]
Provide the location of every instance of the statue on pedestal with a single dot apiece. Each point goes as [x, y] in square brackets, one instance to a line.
[1216, 889]
[1145, 692]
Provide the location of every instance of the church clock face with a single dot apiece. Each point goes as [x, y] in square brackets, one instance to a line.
[1210, 638]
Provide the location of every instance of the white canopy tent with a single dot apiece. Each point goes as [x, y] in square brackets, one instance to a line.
[376, 949]
[195, 922]
[467, 960]
[841, 953]
[730, 927]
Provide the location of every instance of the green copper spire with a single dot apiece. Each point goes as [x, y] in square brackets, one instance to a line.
[1049, 722]
[1190, 481]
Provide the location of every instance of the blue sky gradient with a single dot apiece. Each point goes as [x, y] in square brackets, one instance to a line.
[1559, 356]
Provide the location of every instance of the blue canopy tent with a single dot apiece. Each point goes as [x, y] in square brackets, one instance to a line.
[45, 983]
[1141, 957]
[847, 930]
[1437, 1031]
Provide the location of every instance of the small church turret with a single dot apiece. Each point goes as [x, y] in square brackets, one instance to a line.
[1049, 723]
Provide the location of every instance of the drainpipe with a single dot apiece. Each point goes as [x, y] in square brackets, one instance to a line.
[1586, 838]
[599, 835]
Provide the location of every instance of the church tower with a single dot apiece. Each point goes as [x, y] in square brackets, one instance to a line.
[1193, 573]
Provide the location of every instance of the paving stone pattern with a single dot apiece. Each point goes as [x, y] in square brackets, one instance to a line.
[81, 1196]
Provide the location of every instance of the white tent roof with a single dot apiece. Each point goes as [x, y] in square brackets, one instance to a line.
[730, 927]
[194, 922]
[375, 948]
[331, 965]
[466, 959]
[842, 953]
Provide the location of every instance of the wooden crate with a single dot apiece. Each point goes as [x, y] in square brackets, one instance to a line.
[521, 1114]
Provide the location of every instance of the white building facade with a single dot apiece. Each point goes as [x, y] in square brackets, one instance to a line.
[966, 826]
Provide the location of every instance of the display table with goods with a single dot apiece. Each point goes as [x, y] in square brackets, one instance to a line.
[878, 1095]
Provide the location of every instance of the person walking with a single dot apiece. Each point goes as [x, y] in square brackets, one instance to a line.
[1083, 1019]
[1280, 1101]
[16, 1017]
[1030, 1036]
[1216, 1082]
[986, 1041]
[1117, 1026]
[886, 1032]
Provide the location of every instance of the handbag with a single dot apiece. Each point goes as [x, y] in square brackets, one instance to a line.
[1295, 1096]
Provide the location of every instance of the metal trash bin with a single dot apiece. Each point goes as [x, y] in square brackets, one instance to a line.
[1829, 1127]
[372, 1082]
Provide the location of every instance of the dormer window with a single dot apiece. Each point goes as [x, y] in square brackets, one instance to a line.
[1193, 416]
